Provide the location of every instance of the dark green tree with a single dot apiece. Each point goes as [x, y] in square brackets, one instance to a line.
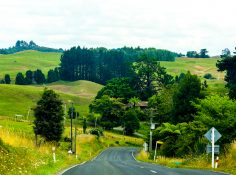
[7, 79]
[29, 77]
[20, 80]
[118, 88]
[188, 90]
[229, 65]
[110, 109]
[84, 125]
[131, 121]
[203, 53]
[49, 116]
[149, 77]
[51, 76]
[39, 77]
[218, 112]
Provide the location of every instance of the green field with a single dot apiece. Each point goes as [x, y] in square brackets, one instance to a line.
[15, 99]
[27, 60]
[198, 66]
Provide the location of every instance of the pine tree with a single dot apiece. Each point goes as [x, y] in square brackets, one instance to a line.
[39, 77]
[20, 80]
[7, 79]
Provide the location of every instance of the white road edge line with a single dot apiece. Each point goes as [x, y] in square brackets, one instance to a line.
[134, 157]
[62, 172]
[153, 171]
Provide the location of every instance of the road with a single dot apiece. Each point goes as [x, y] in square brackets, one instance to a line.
[120, 161]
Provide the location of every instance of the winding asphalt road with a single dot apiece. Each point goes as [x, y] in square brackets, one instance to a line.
[120, 161]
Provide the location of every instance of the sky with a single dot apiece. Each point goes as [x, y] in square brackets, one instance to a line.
[176, 25]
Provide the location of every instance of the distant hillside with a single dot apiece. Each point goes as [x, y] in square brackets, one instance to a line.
[28, 60]
[16, 99]
[23, 45]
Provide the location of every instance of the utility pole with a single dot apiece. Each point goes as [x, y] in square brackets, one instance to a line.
[151, 127]
[72, 108]
[75, 133]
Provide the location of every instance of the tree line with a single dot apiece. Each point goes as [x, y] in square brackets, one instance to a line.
[101, 64]
[33, 77]
[23, 45]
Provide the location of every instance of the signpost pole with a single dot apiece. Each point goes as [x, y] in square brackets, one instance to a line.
[213, 144]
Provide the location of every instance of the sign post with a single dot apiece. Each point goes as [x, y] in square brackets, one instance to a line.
[212, 144]
[213, 135]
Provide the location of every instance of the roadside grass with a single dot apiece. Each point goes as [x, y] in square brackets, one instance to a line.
[19, 155]
[227, 162]
[28, 60]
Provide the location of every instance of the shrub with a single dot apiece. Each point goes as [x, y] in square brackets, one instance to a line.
[97, 131]
[208, 76]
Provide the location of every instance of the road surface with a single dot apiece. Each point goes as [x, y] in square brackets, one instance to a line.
[120, 161]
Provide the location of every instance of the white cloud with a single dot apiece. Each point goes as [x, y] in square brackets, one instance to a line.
[175, 25]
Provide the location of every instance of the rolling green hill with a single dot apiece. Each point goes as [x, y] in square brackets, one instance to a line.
[23, 61]
[16, 99]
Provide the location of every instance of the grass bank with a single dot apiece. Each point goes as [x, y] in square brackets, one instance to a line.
[227, 162]
[19, 155]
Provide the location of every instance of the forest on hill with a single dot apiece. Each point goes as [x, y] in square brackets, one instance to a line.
[23, 45]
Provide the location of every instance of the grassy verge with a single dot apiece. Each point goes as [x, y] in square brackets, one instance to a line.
[227, 162]
[18, 154]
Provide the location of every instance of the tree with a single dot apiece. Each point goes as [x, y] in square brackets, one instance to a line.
[49, 116]
[131, 121]
[51, 76]
[134, 101]
[118, 88]
[188, 90]
[110, 109]
[192, 54]
[7, 79]
[218, 112]
[149, 77]
[39, 77]
[29, 77]
[20, 80]
[225, 53]
[229, 65]
[84, 125]
[203, 53]
[163, 104]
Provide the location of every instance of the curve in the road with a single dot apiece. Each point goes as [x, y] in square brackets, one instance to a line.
[119, 161]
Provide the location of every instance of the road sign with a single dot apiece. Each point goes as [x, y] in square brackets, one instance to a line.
[217, 135]
[216, 149]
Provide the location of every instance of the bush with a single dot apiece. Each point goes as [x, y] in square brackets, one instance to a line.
[97, 131]
[208, 76]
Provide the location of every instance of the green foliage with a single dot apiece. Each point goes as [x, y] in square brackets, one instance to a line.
[7, 79]
[53, 75]
[181, 139]
[134, 101]
[201, 54]
[23, 45]
[131, 121]
[218, 112]
[111, 110]
[20, 80]
[149, 77]
[229, 65]
[29, 77]
[118, 88]
[39, 77]
[208, 76]
[84, 125]
[163, 104]
[188, 90]
[49, 116]
[96, 131]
